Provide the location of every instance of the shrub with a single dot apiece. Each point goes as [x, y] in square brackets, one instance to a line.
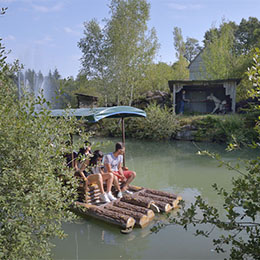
[226, 129]
[160, 124]
[33, 198]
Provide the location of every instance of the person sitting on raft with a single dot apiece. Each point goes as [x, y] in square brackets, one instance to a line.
[113, 164]
[91, 173]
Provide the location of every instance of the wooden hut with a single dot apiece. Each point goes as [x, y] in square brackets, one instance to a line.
[85, 101]
[198, 91]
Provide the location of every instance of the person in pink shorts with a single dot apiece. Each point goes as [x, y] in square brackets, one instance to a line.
[113, 163]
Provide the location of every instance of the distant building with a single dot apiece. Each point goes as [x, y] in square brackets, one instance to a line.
[86, 100]
[205, 96]
[196, 68]
[200, 93]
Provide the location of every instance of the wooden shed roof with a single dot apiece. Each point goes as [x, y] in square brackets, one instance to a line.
[201, 82]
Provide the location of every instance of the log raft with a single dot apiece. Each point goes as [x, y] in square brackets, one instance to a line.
[137, 209]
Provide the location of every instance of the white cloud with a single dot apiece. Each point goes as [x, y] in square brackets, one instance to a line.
[181, 7]
[71, 31]
[45, 40]
[9, 38]
[48, 9]
[6, 1]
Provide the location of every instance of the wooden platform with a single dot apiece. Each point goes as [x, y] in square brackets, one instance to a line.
[137, 209]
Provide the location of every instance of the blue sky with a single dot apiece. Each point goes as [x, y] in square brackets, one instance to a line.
[43, 34]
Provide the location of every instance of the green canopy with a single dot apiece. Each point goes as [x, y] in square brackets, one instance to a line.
[95, 114]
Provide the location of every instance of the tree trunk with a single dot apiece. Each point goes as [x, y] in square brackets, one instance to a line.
[111, 217]
[139, 201]
[161, 193]
[157, 198]
[134, 188]
[141, 219]
[149, 213]
[131, 95]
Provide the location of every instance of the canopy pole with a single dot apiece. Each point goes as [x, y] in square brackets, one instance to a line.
[123, 137]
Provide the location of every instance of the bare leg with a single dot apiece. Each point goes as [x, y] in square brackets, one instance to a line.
[129, 180]
[108, 177]
[115, 181]
[96, 178]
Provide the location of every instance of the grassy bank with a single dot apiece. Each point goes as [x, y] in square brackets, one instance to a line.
[161, 124]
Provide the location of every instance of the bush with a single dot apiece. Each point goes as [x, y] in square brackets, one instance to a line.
[226, 129]
[160, 124]
[33, 198]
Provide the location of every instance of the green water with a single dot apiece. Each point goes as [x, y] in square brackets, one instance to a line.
[167, 166]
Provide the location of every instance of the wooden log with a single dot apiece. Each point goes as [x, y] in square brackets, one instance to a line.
[90, 189]
[140, 219]
[94, 195]
[89, 192]
[161, 193]
[156, 198]
[109, 216]
[137, 200]
[154, 208]
[176, 202]
[134, 208]
[164, 207]
[134, 188]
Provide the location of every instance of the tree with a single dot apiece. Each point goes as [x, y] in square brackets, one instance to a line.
[157, 77]
[93, 48]
[241, 204]
[120, 53]
[247, 35]
[180, 67]
[192, 49]
[36, 187]
[219, 58]
[178, 42]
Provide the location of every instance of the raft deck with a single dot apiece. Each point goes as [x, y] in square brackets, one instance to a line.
[129, 211]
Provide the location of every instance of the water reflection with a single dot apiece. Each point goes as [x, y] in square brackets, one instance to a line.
[167, 166]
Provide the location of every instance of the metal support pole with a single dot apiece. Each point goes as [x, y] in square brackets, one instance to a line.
[123, 137]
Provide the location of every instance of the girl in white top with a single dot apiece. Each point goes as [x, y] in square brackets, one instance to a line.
[96, 175]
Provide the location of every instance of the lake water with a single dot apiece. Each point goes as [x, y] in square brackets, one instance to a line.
[166, 166]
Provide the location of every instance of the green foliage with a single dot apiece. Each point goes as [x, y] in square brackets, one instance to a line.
[33, 198]
[159, 124]
[192, 48]
[218, 57]
[227, 128]
[241, 203]
[119, 54]
[178, 41]
[228, 52]
[247, 35]
[180, 68]
[157, 77]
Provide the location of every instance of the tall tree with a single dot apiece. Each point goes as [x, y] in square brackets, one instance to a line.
[178, 42]
[157, 77]
[121, 52]
[93, 48]
[180, 67]
[247, 35]
[192, 49]
[219, 56]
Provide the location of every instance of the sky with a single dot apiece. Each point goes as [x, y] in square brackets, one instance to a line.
[43, 34]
